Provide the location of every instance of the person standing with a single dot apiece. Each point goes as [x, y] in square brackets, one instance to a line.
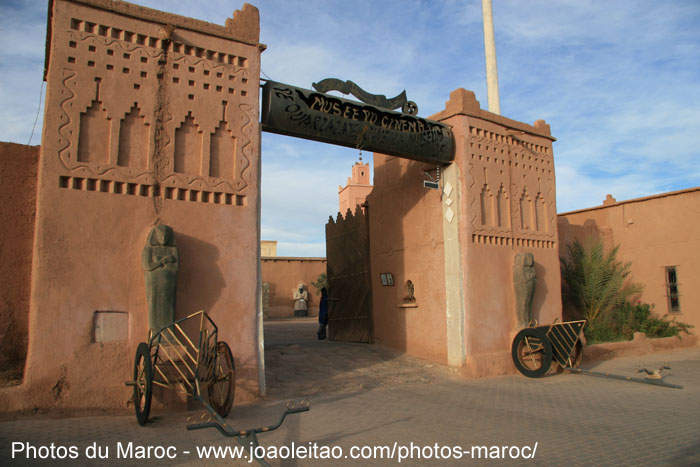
[322, 314]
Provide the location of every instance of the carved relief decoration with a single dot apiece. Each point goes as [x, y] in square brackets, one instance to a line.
[510, 188]
[92, 118]
[107, 130]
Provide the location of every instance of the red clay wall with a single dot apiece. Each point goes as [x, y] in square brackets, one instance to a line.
[150, 118]
[406, 240]
[458, 244]
[652, 232]
[507, 206]
[18, 172]
[522, 169]
[283, 275]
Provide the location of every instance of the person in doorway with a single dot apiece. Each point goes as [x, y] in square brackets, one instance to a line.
[322, 314]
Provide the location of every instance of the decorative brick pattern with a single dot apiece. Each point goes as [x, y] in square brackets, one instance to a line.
[203, 141]
[510, 182]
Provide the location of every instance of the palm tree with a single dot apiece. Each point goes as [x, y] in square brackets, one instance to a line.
[595, 282]
[321, 282]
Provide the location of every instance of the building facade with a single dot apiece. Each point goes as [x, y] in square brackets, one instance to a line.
[659, 235]
[151, 118]
[457, 245]
[268, 248]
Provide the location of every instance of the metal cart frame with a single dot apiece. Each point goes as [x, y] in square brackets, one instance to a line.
[536, 347]
[185, 363]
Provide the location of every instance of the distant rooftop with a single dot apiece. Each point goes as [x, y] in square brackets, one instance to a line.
[610, 201]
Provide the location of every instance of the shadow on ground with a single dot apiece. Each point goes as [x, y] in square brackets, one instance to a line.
[297, 364]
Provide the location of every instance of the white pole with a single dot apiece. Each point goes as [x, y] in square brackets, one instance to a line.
[490, 52]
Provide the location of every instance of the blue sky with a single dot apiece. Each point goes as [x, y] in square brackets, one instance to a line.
[618, 81]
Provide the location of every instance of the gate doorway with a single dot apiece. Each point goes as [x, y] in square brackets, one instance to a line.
[371, 125]
[349, 281]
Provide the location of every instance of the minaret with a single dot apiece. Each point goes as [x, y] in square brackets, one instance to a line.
[490, 52]
[357, 188]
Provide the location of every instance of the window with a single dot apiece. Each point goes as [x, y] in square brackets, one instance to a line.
[672, 289]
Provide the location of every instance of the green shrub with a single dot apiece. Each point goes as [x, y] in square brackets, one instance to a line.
[620, 324]
[595, 285]
[599, 332]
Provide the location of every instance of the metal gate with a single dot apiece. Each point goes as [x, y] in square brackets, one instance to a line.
[349, 285]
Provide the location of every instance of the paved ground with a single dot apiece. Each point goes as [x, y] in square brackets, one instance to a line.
[299, 365]
[362, 395]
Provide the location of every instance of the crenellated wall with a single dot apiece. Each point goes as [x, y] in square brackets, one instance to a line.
[150, 118]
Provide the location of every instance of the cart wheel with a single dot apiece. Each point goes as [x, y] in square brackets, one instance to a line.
[223, 388]
[532, 353]
[143, 390]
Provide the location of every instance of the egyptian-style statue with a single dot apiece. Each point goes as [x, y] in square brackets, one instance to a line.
[524, 282]
[300, 298]
[160, 261]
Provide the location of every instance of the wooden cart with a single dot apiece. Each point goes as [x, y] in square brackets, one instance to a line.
[185, 356]
[536, 347]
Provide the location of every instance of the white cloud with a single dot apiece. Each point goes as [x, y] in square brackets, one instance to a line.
[617, 82]
[22, 39]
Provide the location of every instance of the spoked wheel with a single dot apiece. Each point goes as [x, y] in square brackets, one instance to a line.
[222, 389]
[532, 353]
[143, 376]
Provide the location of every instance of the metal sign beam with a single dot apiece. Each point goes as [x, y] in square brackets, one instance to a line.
[293, 111]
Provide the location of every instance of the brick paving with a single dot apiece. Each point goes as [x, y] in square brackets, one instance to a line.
[363, 395]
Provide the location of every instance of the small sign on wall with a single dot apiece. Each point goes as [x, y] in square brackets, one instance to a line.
[111, 326]
[387, 279]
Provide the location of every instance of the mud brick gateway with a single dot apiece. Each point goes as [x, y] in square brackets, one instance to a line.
[150, 118]
[154, 118]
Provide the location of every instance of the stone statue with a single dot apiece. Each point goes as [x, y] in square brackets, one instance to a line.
[410, 296]
[524, 282]
[300, 298]
[160, 261]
